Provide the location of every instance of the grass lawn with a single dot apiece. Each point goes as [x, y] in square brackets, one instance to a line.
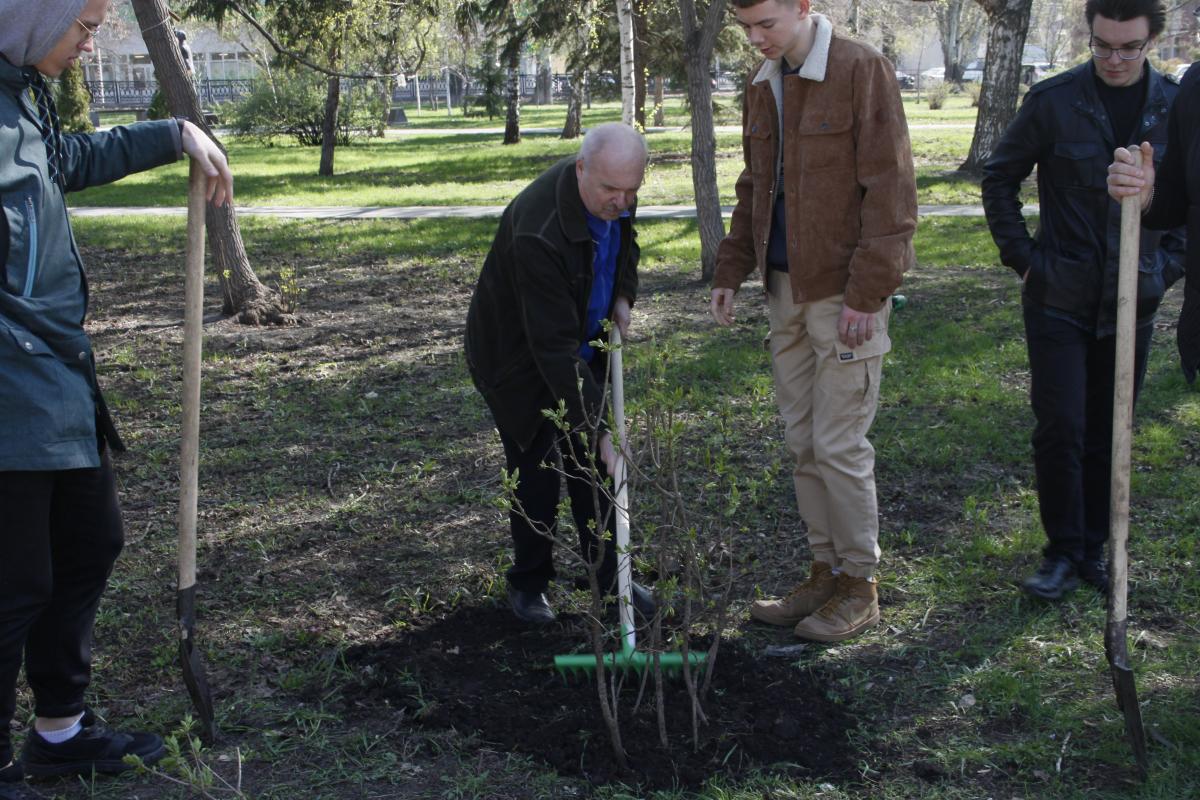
[348, 478]
[474, 169]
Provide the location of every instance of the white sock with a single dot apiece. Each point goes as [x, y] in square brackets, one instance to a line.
[63, 734]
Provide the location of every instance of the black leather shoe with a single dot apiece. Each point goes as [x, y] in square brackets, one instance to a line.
[1094, 572]
[643, 600]
[641, 597]
[96, 748]
[530, 606]
[1054, 578]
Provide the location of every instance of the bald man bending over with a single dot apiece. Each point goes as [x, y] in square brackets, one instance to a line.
[565, 259]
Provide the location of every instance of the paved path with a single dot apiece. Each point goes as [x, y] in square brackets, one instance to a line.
[494, 131]
[449, 212]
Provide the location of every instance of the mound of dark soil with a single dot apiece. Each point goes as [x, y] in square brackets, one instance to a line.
[480, 670]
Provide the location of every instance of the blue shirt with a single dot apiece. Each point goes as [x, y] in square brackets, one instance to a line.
[606, 241]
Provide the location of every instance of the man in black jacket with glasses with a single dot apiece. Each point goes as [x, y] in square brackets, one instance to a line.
[1068, 128]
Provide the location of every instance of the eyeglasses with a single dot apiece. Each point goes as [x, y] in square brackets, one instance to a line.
[92, 31]
[1127, 53]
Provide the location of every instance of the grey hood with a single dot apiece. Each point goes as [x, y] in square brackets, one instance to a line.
[29, 29]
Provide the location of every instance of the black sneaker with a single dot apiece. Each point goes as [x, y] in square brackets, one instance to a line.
[1054, 578]
[96, 748]
[530, 606]
[1094, 572]
[14, 787]
[643, 600]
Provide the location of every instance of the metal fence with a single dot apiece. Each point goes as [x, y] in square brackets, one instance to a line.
[435, 86]
[137, 95]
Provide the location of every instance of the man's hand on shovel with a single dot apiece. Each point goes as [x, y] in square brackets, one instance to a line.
[212, 163]
[1126, 179]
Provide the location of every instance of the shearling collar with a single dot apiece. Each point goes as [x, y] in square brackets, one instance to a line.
[814, 65]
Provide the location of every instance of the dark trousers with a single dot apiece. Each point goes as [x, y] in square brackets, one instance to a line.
[1071, 377]
[538, 494]
[60, 534]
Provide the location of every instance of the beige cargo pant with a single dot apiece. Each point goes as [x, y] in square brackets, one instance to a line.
[827, 395]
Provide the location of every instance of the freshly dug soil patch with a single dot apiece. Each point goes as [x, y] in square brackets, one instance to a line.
[481, 671]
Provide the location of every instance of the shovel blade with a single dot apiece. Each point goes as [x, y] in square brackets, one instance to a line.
[1127, 702]
[1117, 653]
[194, 676]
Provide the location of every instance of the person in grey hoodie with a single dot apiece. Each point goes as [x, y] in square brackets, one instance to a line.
[61, 529]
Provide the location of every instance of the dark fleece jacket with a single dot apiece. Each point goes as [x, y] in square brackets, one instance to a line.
[528, 315]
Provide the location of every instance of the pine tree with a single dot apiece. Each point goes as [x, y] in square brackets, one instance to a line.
[158, 107]
[74, 102]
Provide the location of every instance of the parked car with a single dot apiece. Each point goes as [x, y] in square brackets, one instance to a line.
[973, 71]
[905, 80]
[1031, 73]
[933, 75]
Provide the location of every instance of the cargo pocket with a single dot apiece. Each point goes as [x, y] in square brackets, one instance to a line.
[859, 370]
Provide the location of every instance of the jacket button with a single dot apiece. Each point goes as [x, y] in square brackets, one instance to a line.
[83, 355]
[29, 345]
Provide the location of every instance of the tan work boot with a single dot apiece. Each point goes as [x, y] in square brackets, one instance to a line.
[801, 601]
[852, 609]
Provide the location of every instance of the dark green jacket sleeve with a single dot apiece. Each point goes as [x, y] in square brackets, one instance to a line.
[94, 159]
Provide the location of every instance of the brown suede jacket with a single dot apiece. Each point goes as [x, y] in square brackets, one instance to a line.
[849, 186]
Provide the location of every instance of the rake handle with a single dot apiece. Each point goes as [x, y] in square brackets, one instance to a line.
[621, 501]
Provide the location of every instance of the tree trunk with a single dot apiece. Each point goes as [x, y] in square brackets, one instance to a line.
[888, 45]
[853, 22]
[546, 81]
[625, 25]
[698, 43]
[241, 291]
[1009, 24]
[573, 125]
[333, 96]
[512, 121]
[639, 62]
[578, 66]
[949, 18]
[658, 101]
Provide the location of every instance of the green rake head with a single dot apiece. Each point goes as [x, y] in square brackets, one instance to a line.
[584, 664]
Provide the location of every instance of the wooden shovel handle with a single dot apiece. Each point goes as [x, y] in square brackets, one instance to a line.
[1122, 428]
[189, 450]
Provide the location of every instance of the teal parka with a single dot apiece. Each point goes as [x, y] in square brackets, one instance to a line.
[50, 404]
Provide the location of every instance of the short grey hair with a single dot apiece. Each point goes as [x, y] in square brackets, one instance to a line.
[615, 135]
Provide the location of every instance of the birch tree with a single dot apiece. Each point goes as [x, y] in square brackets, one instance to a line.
[1009, 25]
[625, 25]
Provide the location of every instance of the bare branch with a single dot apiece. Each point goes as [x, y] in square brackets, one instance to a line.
[294, 55]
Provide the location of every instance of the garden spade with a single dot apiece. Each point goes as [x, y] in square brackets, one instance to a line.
[1115, 642]
[189, 452]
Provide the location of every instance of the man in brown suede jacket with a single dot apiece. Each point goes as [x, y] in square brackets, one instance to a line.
[826, 210]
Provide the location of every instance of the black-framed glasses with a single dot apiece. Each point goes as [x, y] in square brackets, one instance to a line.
[93, 31]
[1126, 53]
